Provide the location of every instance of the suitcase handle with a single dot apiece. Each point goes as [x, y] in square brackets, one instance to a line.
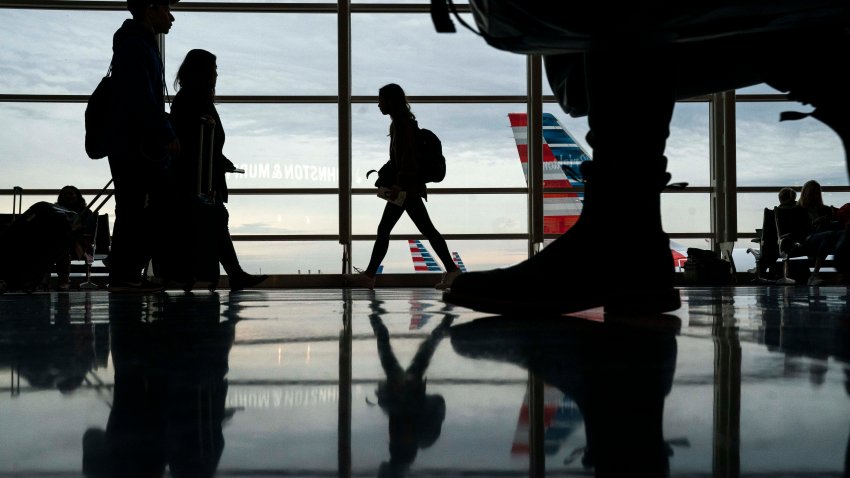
[199, 183]
[17, 201]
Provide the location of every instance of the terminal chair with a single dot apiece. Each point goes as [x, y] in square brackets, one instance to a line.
[768, 251]
[100, 241]
[793, 225]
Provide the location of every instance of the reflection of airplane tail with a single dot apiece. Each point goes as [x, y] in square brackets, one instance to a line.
[423, 261]
[560, 419]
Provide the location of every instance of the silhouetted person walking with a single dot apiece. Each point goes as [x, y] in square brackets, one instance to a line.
[404, 155]
[196, 80]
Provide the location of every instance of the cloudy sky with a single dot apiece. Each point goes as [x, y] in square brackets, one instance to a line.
[295, 145]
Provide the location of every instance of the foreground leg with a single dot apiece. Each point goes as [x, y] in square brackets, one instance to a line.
[621, 203]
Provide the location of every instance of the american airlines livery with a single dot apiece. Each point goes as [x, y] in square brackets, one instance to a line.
[423, 261]
[562, 156]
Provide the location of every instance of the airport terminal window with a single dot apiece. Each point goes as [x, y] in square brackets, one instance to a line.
[404, 49]
[260, 53]
[278, 96]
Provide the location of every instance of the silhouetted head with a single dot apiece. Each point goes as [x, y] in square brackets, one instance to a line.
[154, 13]
[811, 195]
[198, 71]
[787, 196]
[71, 198]
[393, 102]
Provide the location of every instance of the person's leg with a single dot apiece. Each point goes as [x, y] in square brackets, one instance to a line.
[419, 215]
[128, 233]
[415, 208]
[389, 218]
[631, 95]
[226, 250]
[238, 278]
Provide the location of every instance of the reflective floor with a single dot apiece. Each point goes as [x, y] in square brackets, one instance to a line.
[332, 382]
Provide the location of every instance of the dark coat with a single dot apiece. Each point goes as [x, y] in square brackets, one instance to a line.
[405, 156]
[188, 106]
[138, 120]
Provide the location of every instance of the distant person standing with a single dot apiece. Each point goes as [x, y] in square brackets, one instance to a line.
[142, 140]
[196, 80]
[405, 157]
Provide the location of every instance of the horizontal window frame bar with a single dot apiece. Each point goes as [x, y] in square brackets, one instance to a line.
[431, 190]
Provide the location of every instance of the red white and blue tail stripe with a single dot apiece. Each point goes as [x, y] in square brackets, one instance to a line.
[423, 261]
[562, 156]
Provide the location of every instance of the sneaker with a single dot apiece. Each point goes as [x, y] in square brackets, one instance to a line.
[360, 280]
[448, 278]
[140, 287]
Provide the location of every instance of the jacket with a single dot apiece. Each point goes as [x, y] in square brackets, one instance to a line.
[405, 156]
[139, 122]
[188, 107]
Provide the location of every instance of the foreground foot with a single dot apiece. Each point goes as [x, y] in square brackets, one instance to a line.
[246, 281]
[571, 275]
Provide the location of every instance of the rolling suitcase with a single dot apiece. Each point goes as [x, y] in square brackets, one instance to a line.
[32, 243]
[194, 227]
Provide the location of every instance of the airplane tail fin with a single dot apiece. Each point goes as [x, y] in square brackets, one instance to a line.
[562, 158]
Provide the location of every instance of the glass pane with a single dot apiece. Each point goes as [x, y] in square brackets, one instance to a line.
[405, 49]
[788, 153]
[69, 54]
[281, 145]
[477, 139]
[260, 53]
[475, 255]
[41, 146]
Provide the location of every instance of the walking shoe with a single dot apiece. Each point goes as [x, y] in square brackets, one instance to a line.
[246, 280]
[540, 285]
[361, 280]
[140, 287]
[448, 279]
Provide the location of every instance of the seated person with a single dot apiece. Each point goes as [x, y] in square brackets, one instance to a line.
[826, 230]
[70, 198]
[787, 198]
[768, 242]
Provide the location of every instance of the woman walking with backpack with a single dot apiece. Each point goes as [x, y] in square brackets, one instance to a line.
[408, 187]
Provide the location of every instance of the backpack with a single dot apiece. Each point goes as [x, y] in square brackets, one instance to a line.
[432, 163]
[97, 118]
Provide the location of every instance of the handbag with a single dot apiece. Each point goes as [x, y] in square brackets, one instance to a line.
[386, 175]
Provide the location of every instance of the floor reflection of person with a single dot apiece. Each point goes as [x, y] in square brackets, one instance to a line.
[170, 389]
[618, 376]
[415, 417]
[42, 344]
